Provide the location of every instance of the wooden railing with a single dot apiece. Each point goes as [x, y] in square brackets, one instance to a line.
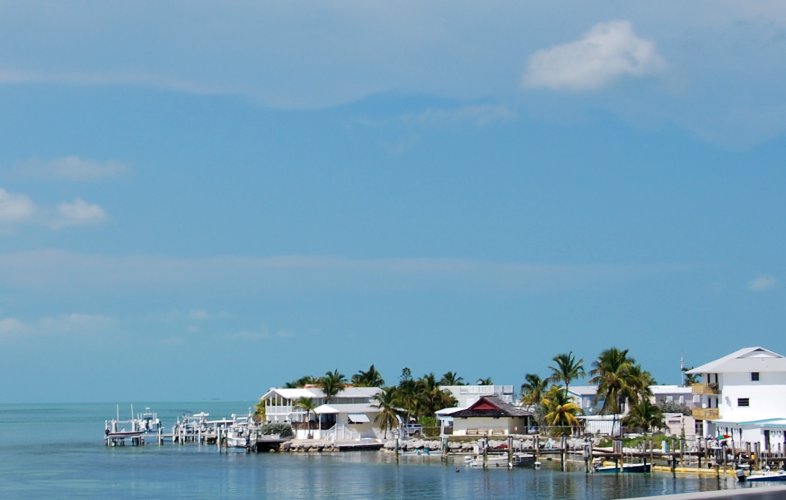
[706, 413]
[705, 389]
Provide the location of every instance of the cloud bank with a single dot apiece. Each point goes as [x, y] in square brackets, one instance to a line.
[608, 52]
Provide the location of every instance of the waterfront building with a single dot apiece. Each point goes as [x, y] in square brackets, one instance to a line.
[349, 415]
[743, 396]
[491, 416]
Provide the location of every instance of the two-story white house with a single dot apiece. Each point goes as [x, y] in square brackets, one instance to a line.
[350, 414]
[743, 396]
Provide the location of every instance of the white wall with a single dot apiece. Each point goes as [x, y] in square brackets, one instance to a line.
[767, 396]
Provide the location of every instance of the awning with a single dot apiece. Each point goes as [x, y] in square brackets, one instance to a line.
[358, 418]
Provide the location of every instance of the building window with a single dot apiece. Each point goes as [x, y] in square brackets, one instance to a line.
[743, 402]
[754, 376]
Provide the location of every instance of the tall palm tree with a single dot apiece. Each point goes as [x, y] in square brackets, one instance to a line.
[639, 382]
[332, 383]
[451, 378]
[386, 401]
[566, 368]
[612, 374]
[309, 405]
[368, 378]
[533, 389]
[560, 412]
[644, 416]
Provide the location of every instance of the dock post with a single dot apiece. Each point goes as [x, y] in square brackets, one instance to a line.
[510, 451]
[485, 444]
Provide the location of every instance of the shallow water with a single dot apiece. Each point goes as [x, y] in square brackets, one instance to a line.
[57, 450]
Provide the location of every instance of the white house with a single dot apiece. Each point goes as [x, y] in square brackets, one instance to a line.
[348, 415]
[584, 397]
[467, 394]
[743, 396]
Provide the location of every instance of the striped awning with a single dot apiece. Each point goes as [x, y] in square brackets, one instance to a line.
[358, 418]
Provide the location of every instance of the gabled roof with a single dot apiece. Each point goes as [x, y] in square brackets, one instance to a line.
[748, 359]
[316, 392]
[491, 406]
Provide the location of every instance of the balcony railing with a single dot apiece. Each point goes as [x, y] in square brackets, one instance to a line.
[706, 413]
[705, 389]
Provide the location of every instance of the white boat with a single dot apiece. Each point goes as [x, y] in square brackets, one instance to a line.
[763, 477]
[496, 460]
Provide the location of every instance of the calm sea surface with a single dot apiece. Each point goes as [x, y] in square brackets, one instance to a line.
[56, 450]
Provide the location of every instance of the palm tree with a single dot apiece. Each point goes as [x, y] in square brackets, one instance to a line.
[386, 401]
[332, 383]
[611, 373]
[533, 389]
[302, 381]
[644, 416]
[309, 405]
[368, 378]
[689, 379]
[451, 378]
[485, 381]
[560, 412]
[639, 383]
[566, 368]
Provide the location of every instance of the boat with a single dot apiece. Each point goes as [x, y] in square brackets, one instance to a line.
[763, 477]
[496, 460]
[641, 467]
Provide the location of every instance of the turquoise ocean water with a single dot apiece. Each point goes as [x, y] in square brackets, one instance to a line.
[56, 450]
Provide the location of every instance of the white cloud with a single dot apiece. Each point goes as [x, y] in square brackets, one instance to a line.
[15, 208]
[56, 271]
[74, 323]
[11, 326]
[71, 168]
[608, 52]
[78, 213]
[762, 283]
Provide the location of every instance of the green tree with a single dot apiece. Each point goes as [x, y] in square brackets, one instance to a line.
[451, 378]
[560, 412]
[566, 368]
[301, 382]
[386, 401]
[644, 416]
[689, 379]
[332, 383]
[485, 381]
[533, 389]
[612, 374]
[368, 378]
[308, 405]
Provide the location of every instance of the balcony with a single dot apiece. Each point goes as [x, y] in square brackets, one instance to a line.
[705, 389]
[706, 413]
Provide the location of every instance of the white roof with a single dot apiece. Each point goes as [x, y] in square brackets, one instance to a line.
[316, 392]
[295, 393]
[748, 359]
[583, 390]
[450, 411]
[345, 408]
[658, 390]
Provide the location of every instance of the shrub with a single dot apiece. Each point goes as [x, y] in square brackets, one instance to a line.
[280, 428]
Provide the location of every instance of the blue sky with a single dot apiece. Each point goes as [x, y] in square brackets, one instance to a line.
[202, 202]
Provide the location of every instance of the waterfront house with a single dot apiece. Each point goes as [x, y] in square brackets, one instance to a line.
[584, 397]
[491, 416]
[350, 414]
[743, 396]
